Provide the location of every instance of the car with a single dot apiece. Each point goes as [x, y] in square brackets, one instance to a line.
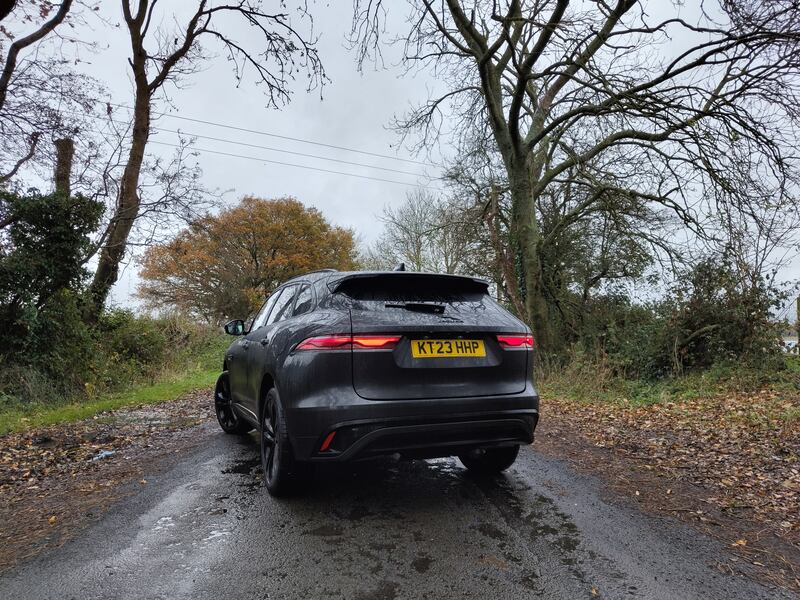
[341, 366]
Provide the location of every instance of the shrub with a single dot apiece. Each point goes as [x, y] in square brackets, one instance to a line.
[716, 314]
[139, 340]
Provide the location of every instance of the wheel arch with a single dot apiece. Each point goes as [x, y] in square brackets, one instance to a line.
[267, 383]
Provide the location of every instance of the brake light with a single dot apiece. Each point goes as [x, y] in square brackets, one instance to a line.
[515, 341]
[344, 342]
[334, 342]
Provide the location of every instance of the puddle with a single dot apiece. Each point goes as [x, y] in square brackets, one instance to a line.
[243, 466]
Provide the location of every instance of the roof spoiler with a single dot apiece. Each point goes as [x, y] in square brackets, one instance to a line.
[335, 282]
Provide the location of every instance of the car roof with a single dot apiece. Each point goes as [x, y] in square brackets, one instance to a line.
[311, 276]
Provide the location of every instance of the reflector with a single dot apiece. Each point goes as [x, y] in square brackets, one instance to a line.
[328, 439]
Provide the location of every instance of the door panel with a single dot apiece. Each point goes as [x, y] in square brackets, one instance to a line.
[236, 359]
[257, 352]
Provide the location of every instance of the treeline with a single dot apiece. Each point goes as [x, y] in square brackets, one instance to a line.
[54, 347]
[631, 198]
[612, 305]
[61, 253]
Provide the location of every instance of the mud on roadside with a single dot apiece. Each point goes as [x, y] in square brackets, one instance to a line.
[690, 485]
[56, 480]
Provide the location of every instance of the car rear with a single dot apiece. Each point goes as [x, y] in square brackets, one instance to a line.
[429, 366]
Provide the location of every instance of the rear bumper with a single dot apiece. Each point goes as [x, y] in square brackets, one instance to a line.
[415, 428]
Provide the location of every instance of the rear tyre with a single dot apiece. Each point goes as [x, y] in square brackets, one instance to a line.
[223, 406]
[282, 473]
[489, 461]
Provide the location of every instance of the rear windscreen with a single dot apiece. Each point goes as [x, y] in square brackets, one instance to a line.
[390, 292]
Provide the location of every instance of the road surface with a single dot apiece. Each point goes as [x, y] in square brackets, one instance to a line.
[205, 528]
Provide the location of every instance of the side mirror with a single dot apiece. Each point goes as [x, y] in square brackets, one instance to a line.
[235, 327]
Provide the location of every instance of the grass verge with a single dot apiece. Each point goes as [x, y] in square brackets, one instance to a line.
[593, 383]
[29, 417]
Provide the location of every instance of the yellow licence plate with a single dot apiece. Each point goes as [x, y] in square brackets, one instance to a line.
[447, 348]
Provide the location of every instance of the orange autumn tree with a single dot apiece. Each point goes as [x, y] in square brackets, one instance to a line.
[224, 266]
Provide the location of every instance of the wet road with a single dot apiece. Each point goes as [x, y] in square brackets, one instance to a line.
[206, 528]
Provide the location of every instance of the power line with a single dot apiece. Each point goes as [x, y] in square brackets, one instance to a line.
[336, 160]
[344, 162]
[282, 137]
[285, 164]
[271, 148]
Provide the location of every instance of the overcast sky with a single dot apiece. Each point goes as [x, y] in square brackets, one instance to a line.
[354, 111]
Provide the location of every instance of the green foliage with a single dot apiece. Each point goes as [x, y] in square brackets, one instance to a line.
[43, 250]
[124, 350]
[715, 315]
[587, 379]
[43, 339]
[48, 353]
[16, 417]
[138, 343]
[721, 314]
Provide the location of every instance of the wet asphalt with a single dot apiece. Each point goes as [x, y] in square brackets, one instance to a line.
[206, 528]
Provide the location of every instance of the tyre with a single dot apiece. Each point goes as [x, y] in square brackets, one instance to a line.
[282, 473]
[488, 461]
[223, 406]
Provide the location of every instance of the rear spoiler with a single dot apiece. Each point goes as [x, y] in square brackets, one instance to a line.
[476, 283]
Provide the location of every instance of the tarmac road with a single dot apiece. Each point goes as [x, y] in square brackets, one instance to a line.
[206, 528]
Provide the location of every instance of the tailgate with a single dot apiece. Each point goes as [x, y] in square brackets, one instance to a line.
[448, 346]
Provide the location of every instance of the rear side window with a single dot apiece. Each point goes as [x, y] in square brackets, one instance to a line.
[261, 317]
[386, 293]
[304, 300]
[282, 305]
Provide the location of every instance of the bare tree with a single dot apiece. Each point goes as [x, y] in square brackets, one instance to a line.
[641, 114]
[160, 55]
[426, 233]
[40, 95]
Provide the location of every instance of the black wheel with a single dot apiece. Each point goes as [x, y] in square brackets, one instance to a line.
[226, 416]
[282, 473]
[489, 461]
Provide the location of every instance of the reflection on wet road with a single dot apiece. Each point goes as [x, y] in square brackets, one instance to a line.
[380, 530]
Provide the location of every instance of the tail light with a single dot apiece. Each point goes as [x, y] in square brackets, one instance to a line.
[345, 342]
[515, 341]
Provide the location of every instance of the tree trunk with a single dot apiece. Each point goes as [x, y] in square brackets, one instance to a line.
[65, 150]
[127, 207]
[525, 238]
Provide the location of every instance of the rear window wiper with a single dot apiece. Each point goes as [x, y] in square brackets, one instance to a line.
[424, 307]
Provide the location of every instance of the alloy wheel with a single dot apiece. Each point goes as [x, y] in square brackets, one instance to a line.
[222, 404]
[269, 439]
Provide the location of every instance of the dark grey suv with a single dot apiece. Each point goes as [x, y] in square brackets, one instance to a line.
[340, 366]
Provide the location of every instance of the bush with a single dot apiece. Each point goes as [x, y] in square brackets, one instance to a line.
[715, 315]
[142, 341]
[65, 360]
[723, 315]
